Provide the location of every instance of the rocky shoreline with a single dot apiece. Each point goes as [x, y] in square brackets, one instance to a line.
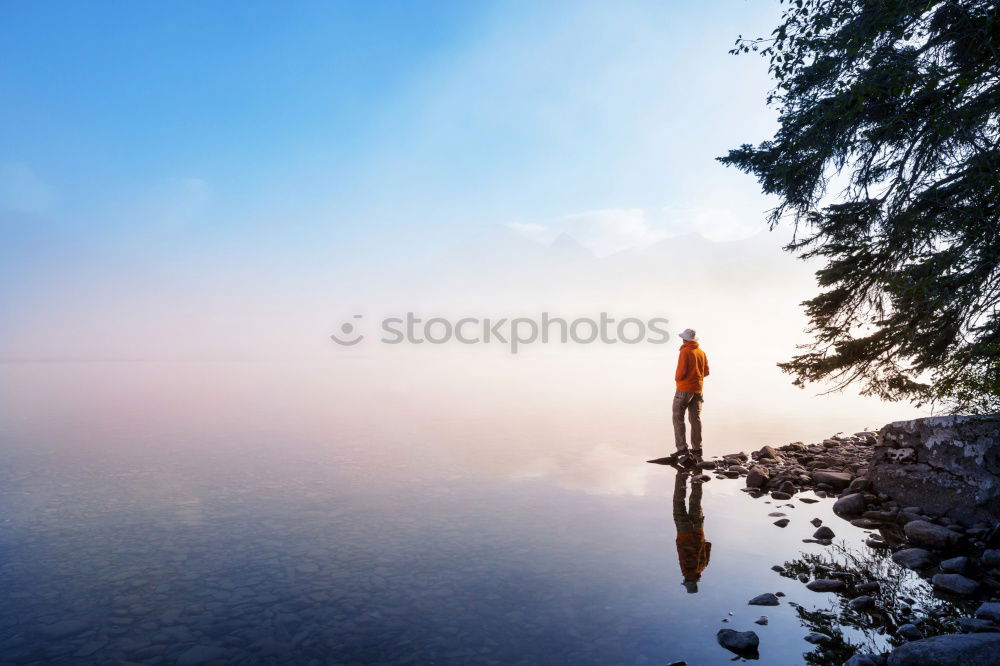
[960, 561]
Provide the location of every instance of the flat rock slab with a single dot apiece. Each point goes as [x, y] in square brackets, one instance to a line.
[964, 649]
[838, 480]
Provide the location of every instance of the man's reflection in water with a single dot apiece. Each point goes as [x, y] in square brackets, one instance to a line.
[692, 549]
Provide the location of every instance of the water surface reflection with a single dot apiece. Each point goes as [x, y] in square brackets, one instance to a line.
[156, 519]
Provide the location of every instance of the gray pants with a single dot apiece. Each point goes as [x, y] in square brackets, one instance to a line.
[690, 403]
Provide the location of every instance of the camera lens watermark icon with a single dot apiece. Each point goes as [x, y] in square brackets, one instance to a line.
[347, 329]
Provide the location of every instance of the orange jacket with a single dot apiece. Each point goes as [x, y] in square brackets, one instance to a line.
[692, 368]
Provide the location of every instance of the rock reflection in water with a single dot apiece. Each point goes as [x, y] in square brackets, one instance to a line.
[879, 598]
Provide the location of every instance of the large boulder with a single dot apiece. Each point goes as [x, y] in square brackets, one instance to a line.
[949, 465]
[965, 649]
[929, 535]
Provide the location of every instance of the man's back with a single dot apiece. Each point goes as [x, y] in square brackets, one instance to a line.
[692, 368]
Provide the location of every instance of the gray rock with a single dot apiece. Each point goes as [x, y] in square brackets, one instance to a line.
[989, 610]
[781, 522]
[838, 480]
[964, 649]
[768, 452]
[762, 620]
[929, 535]
[826, 585]
[913, 558]
[816, 522]
[757, 477]
[766, 599]
[957, 565]
[850, 505]
[743, 643]
[870, 586]
[910, 632]
[823, 532]
[947, 464]
[859, 485]
[863, 660]
[863, 602]
[955, 583]
[817, 638]
[779, 495]
[973, 625]
[991, 558]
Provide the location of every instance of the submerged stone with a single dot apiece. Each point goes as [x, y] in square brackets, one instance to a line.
[823, 532]
[826, 585]
[743, 643]
[766, 599]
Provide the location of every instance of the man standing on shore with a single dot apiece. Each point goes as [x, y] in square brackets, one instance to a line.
[692, 368]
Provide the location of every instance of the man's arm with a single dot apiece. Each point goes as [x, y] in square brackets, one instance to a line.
[683, 361]
[706, 366]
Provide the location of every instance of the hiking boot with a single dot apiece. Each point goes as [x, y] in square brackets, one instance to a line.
[687, 459]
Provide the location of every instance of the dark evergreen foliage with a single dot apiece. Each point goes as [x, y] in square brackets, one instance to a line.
[887, 161]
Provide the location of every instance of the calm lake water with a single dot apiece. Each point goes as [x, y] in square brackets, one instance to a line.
[171, 513]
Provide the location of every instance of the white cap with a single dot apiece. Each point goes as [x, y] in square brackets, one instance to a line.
[689, 334]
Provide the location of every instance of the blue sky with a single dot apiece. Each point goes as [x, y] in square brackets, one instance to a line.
[161, 144]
